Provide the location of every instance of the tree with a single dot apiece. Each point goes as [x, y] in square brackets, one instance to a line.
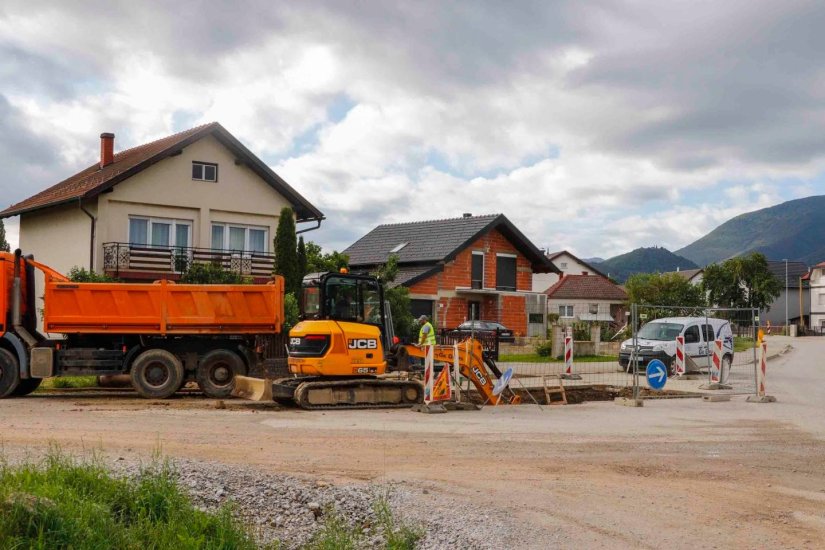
[302, 257]
[211, 274]
[318, 262]
[399, 298]
[4, 244]
[82, 275]
[742, 282]
[663, 289]
[286, 252]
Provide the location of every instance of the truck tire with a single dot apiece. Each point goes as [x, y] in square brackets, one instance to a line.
[216, 372]
[156, 374]
[9, 373]
[25, 387]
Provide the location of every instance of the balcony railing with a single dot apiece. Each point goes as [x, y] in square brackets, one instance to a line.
[125, 258]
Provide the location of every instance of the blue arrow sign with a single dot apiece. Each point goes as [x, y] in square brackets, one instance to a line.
[656, 375]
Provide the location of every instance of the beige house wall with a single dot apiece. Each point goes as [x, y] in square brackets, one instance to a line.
[59, 236]
[161, 191]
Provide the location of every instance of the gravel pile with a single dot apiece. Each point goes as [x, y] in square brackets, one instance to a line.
[291, 510]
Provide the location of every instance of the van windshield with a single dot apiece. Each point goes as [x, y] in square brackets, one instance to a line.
[660, 331]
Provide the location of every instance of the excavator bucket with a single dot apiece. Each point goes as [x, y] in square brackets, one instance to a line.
[254, 389]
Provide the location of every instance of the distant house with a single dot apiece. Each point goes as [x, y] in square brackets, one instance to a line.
[798, 296]
[568, 264]
[473, 267]
[147, 212]
[816, 280]
[693, 276]
[587, 298]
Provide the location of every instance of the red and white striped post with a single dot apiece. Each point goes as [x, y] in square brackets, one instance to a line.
[428, 376]
[716, 362]
[679, 358]
[568, 355]
[763, 367]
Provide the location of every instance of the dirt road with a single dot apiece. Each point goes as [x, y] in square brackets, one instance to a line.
[679, 474]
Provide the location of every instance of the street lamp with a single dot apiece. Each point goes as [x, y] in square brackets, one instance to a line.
[787, 329]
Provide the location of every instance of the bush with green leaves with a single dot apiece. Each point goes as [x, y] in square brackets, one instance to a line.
[544, 349]
[82, 275]
[214, 274]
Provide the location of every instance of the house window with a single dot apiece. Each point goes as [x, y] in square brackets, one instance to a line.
[593, 309]
[505, 272]
[477, 274]
[398, 248]
[160, 232]
[239, 237]
[822, 299]
[566, 311]
[535, 318]
[204, 171]
[563, 265]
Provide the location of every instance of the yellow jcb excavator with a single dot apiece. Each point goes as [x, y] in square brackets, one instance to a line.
[342, 352]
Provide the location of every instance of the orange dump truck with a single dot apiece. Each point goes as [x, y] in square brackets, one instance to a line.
[161, 334]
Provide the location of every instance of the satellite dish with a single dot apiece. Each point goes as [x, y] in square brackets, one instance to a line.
[502, 383]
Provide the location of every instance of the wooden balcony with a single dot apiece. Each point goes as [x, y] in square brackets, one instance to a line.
[146, 262]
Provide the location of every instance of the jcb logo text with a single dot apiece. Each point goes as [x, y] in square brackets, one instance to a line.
[363, 343]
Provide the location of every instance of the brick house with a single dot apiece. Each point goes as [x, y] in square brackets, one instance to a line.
[473, 267]
[587, 298]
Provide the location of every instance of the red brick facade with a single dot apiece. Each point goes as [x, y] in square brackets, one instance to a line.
[505, 307]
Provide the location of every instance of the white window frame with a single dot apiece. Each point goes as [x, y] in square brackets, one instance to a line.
[203, 171]
[172, 231]
[246, 228]
[562, 265]
[567, 308]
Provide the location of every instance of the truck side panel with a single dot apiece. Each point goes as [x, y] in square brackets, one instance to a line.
[163, 308]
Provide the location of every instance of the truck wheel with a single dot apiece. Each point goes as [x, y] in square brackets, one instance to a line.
[25, 387]
[9, 373]
[216, 372]
[156, 374]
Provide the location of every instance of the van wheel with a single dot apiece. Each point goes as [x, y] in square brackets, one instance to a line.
[25, 387]
[216, 372]
[9, 373]
[156, 374]
[725, 370]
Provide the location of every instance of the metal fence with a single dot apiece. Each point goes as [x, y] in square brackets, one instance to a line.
[614, 367]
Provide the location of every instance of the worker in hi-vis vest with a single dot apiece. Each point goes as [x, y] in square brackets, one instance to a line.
[426, 335]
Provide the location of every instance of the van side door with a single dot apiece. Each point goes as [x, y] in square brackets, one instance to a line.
[708, 336]
[693, 341]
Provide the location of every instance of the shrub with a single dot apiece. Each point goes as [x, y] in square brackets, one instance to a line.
[206, 274]
[544, 348]
[83, 275]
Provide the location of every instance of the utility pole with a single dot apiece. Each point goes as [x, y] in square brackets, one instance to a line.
[787, 328]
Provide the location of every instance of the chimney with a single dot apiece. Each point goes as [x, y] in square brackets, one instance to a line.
[467, 215]
[107, 149]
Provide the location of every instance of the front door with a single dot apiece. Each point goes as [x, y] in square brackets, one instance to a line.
[473, 311]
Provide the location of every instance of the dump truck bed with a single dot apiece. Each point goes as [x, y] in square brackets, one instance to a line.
[163, 308]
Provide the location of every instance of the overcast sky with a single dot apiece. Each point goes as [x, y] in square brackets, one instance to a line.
[594, 126]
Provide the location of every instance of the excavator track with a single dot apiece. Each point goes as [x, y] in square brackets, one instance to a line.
[319, 393]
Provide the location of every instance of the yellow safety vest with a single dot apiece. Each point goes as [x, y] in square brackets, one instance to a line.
[429, 339]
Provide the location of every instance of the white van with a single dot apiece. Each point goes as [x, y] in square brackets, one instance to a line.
[657, 340]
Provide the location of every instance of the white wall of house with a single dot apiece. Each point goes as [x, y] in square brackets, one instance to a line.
[818, 298]
[58, 237]
[166, 192]
[567, 264]
[572, 310]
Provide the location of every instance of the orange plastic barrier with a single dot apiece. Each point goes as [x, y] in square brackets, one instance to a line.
[163, 308]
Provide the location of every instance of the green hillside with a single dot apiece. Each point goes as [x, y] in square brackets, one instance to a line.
[794, 230]
[643, 260]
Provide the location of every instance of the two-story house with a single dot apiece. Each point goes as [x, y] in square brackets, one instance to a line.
[148, 212]
[568, 264]
[794, 294]
[816, 280]
[587, 298]
[473, 267]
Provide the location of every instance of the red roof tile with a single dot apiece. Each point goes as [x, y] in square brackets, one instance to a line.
[94, 179]
[586, 286]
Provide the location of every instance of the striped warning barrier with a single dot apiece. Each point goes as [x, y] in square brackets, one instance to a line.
[679, 358]
[428, 376]
[716, 362]
[568, 355]
[763, 367]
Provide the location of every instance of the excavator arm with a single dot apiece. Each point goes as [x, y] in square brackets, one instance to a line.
[471, 364]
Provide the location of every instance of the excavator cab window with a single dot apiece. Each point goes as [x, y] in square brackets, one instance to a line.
[311, 302]
[356, 299]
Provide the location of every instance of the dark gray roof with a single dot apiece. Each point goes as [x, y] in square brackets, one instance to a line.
[432, 241]
[686, 274]
[409, 275]
[795, 271]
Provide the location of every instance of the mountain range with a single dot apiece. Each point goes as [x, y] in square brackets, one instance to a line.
[794, 230]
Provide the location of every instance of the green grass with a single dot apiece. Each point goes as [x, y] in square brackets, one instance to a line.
[535, 358]
[742, 343]
[336, 534]
[69, 382]
[61, 502]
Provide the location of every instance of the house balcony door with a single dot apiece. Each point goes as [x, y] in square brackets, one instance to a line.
[473, 311]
